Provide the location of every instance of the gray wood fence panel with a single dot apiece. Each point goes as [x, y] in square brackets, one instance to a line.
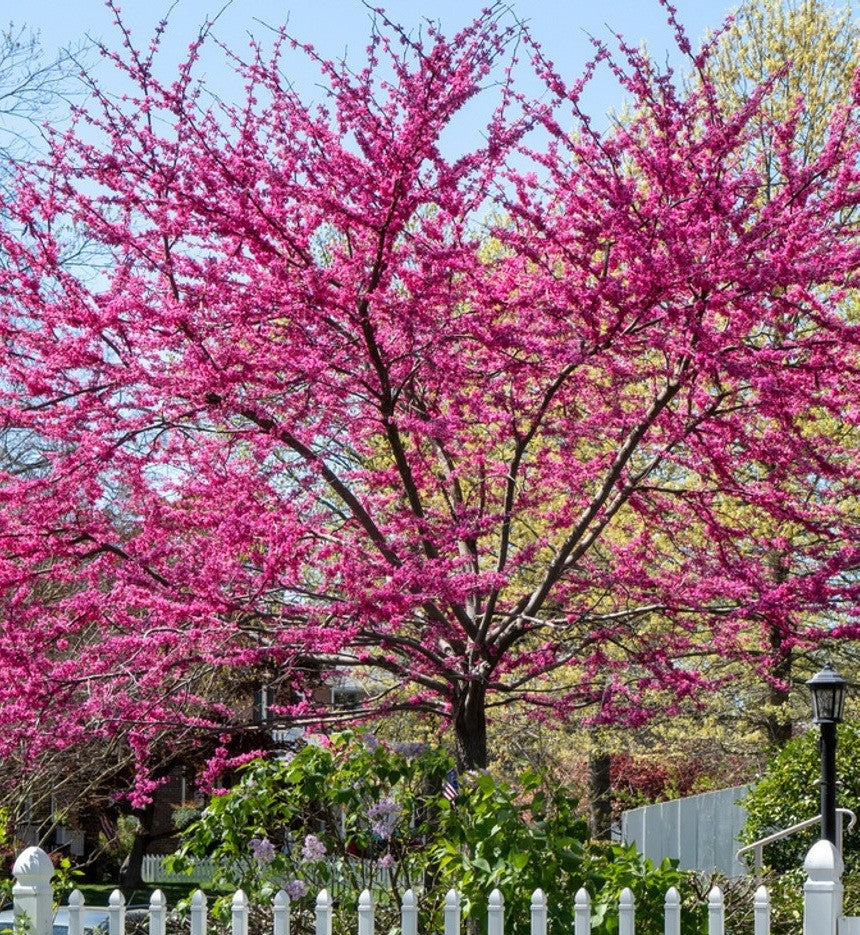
[690, 834]
[700, 831]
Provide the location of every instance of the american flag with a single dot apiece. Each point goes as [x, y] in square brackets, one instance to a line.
[450, 787]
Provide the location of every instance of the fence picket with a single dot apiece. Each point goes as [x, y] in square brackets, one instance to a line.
[496, 913]
[582, 912]
[365, 913]
[281, 913]
[116, 913]
[761, 911]
[672, 912]
[198, 913]
[76, 913]
[538, 926]
[626, 912]
[324, 910]
[157, 913]
[452, 913]
[716, 912]
[409, 914]
[239, 913]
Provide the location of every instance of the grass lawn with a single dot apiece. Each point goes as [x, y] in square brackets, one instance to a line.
[97, 894]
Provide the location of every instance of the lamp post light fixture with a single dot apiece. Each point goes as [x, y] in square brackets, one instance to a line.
[828, 699]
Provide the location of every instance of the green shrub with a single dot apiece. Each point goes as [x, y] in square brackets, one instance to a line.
[354, 813]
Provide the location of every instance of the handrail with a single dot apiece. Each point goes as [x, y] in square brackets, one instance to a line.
[758, 846]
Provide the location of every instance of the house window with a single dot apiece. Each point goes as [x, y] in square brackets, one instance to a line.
[347, 697]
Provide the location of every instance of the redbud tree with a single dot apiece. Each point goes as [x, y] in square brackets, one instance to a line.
[520, 426]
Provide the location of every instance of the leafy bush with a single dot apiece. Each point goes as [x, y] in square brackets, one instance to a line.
[524, 838]
[352, 812]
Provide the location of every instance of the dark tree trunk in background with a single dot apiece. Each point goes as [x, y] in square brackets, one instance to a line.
[778, 723]
[131, 872]
[599, 796]
[778, 717]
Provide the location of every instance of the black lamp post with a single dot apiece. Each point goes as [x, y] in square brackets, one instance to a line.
[828, 697]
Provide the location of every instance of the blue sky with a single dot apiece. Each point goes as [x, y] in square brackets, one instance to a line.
[340, 27]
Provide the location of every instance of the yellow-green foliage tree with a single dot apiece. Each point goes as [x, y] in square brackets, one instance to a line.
[805, 53]
[808, 49]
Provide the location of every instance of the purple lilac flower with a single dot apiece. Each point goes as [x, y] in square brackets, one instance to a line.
[371, 741]
[263, 850]
[410, 749]
[295, 889]
[386, 861]
[383, 817]
[313, 849]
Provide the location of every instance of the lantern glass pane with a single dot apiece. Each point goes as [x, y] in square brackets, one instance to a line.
[838, 703]
[824, 698]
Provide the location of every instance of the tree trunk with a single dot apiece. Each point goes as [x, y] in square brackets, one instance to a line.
[131, 872]
[778, 717]
[470, 727]
[778, 714]
[599, 796]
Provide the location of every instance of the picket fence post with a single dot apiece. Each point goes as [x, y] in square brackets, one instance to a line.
[538, 926]
[32, 893]
[716, 912]
[116, 913]
[761, 911]
[582, 912]
[76, 913]
[626, 912]
[452, 913]
[281, 913]
[672, 912]
[157, 913]
[822, 892]
[198, 913]
[365, 913]
[324, 910]
[239, 913]
[409, 914]
[496, 913]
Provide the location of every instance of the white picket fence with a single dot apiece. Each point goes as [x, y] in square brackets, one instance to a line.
[154, 871]
[33, 906]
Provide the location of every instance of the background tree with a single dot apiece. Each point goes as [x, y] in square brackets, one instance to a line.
[808, 52]
[307, 419]
[33, 89]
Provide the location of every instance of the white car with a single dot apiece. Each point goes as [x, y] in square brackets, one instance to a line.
[95, 919]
